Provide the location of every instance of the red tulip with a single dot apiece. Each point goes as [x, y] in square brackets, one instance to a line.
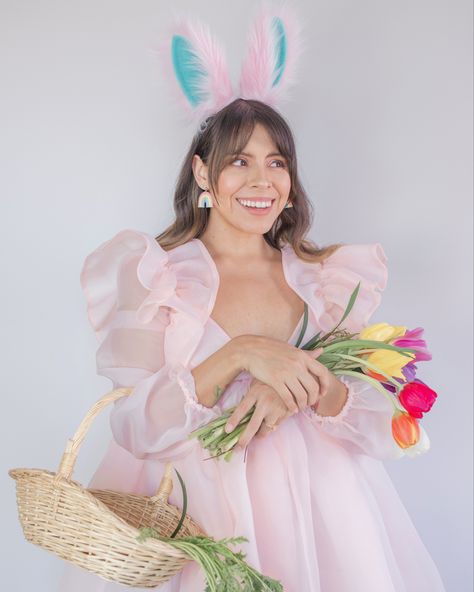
[417, 398]
[405, 429]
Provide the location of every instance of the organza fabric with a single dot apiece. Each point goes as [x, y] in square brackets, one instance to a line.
[313, 498]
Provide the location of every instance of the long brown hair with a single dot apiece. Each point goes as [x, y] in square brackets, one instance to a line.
[228, 132]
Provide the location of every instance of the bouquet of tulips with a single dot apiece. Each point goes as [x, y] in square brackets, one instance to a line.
[383, 355]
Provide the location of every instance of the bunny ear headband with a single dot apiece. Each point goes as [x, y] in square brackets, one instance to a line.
[196, 68]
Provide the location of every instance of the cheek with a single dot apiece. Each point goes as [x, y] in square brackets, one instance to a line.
[229, 183]
[284, 184]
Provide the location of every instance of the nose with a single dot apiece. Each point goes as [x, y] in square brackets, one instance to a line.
[259, 178]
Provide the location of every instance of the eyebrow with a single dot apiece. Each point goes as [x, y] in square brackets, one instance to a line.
[251, 155]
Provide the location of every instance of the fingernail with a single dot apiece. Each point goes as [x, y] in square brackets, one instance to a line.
[228, 428]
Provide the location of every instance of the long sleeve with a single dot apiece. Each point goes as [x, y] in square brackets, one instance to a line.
[153, 421]
[364, 424]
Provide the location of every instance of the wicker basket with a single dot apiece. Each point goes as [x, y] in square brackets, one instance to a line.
[97, 529]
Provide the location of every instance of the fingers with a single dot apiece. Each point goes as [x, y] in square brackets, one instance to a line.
[322, 373]
[287, 397]
[240, 412]
[311, 384]
[311, 387]
[324, 381]
[270, 410]
[264, 430]
[299, 391]
[313, 353]
[251, 429]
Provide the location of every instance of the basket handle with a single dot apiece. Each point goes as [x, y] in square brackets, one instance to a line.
[73, 445]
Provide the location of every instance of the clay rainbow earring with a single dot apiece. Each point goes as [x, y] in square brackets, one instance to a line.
[205, 200]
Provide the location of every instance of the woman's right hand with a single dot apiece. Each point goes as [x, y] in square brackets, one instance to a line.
[292, 372]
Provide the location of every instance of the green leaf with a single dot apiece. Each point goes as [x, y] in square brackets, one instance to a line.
[185, 505]
[305, 324]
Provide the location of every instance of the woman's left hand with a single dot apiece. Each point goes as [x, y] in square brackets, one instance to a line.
[270, 408]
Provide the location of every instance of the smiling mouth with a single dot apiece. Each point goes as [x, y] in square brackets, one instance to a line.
[256, 204]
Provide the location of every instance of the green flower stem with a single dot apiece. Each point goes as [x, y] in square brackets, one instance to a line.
[222, 419]
[232, 439]
[375, 383]
[212, 436]
[221, 450]
[228, 455]
[374, 368]
[368, 343]
[234, 433]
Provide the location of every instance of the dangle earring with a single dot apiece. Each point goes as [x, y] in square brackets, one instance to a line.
[205, 200]
[288, 204]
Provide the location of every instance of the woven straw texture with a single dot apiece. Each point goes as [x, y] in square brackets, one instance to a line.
[97, 529]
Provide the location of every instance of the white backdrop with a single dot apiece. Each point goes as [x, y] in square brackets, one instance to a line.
[89, 144]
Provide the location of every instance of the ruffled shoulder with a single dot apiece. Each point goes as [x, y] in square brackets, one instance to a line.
[327, 286]
[132, 272]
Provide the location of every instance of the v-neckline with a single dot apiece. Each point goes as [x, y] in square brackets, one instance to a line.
[289, 340]
[216, 277]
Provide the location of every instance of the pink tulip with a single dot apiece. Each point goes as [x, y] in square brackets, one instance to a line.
[417, 398]
[413, 340]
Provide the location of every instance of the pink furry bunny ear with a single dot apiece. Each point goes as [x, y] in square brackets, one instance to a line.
[196, 68]
[273, 48]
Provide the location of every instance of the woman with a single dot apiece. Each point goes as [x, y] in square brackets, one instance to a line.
[217, 300]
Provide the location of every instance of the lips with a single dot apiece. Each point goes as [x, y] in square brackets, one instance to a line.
[258, 211]
[257, 199]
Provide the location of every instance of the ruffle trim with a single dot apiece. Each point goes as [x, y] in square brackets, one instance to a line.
[340, 274]
[120, 272]
[132, 271]
[327, 285]
[185, 380]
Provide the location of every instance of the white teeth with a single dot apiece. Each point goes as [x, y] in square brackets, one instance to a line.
[254, 204]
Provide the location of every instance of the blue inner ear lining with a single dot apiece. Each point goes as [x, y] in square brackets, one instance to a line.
[188, 69]
[280, 47]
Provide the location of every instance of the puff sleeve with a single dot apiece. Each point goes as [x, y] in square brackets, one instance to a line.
[119, 280]
[364, 424]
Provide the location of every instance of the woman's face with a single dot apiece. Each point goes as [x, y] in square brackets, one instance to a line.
[258, 176]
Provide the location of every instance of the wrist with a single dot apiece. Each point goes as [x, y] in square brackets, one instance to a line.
[238, 351]
[334, 400]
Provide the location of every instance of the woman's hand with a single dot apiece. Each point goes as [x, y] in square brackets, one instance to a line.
[293, 373]
[269, 409]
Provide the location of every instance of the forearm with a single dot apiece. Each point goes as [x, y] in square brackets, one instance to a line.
[213, 374]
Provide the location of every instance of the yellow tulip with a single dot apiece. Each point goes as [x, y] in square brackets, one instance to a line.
[391, 362]
[382, 332]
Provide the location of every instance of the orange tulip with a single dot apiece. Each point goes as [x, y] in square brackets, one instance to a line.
[405, 429]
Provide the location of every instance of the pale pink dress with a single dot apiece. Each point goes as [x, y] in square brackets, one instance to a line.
[313, 498]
